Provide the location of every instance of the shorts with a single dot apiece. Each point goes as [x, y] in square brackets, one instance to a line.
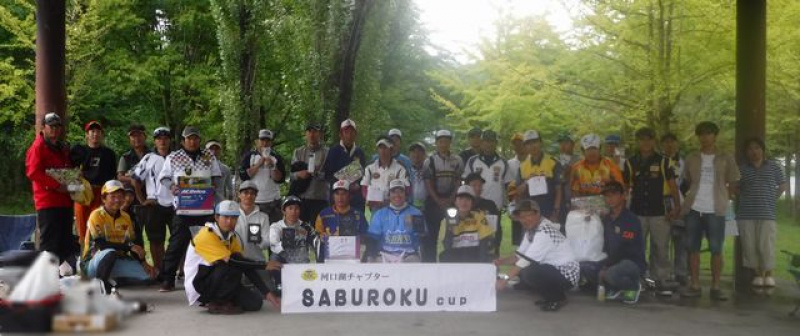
[155, 219]
[709, 225]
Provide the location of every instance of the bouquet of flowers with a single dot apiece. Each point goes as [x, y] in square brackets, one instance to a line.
[352, 172]
[78, 187]
[590, 204]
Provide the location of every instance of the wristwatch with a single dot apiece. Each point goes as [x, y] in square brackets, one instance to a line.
[503, 277]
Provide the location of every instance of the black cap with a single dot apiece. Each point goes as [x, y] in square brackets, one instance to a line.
[475, 131]
[706, 127]
[645, 132]
[313, 125]
[489, 135]
[474, 177]
[614, 187]
[526, 205]
[135, 128]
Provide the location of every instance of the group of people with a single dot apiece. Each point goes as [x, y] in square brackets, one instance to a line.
[423, 207]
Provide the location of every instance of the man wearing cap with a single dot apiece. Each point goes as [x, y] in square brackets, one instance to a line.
[651, 178]
[395, 229]
[343, 154]
[155, 203]
[110, 249]
[224, 189]
[267, 170]
[567, 158]
[623, 244]
[475, 146]
[543, 261]
[215, 266]
[129, 159]
[375, 183]
[313, 155]
[416, 174]
[612, 150]
[54, 208]
[188, 161]
[397, 148]
[98, 165]
[291, 240]
[494, 170]
[712, 175]
[588, 176]
[539, 179]
[468, 236]
[486, 206]
[442, 176]
[340, 219]
[253, 224]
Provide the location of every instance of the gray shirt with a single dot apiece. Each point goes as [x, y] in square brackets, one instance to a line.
[318, 190]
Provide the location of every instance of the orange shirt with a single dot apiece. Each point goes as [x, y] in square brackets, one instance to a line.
[589, 179]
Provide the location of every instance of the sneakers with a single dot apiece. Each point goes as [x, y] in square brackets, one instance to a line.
[167, 286]
[631, 296]
[758, 281]
[612, 295]
[769, 281]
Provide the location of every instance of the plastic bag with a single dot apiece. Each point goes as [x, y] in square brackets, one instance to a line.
[40, 282]
[585, 236]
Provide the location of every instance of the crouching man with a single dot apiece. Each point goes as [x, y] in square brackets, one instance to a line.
[214, 268]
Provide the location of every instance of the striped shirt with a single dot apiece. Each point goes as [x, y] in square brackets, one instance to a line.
[758, 191]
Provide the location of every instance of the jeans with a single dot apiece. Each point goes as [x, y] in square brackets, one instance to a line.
[623, 275]
[709, 225]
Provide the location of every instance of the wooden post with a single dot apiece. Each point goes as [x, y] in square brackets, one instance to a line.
[51, 92]
[751, 79]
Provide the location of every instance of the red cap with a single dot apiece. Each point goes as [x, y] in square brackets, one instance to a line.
[92, 124]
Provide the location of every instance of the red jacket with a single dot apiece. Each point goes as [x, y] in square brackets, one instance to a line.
[38, 159]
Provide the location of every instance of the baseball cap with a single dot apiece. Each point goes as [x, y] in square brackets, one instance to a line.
[613, 186]
[590, 140]
[341, 185]
[228, 208]
[526, 205]
[531, 135]
[189, 131]
[489, 135]
[291, 200]
[443, 133]
[249, 184]
[313, 125]
[465, 190]
[347, 123]
[266, 134]
[162, 131]
[52, 119]
[645, 132]
[383, 141]
[474, 177]
[613, 139]
[111, 186]
[92, 124]
[475, 131]
[212, 143]
[135, 128]
[396, 132]
[565, 137]
[417, 144]
[397, 183]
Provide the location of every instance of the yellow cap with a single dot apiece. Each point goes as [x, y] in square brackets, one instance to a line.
[516, 137]
[111, 186]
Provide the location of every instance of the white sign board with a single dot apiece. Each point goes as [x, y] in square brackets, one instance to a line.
[311, 288]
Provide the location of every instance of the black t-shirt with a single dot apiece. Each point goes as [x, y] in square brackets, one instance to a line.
[648, 177]
[97, 164]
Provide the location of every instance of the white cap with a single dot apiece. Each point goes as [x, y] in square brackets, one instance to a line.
[443, 133]
[213, 143]
[249, 184]
[228, 208]
[396, 132]
[347, 123]
[111, 186]
[531, 135]
[397, 183]
[341, 184]
[384, 142]
[590, 140]
[266, 134]
[466, 190]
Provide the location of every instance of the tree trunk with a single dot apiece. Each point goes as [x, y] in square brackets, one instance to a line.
[349, 51]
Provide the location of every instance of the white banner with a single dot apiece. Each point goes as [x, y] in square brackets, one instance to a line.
[309, 288]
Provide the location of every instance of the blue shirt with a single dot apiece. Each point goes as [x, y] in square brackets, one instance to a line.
[393, 230]
[623, 239]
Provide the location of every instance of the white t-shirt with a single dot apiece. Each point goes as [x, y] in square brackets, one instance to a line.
[378, 177]
[268, 190]
[497, 175]
[704, 200]
[147, 170]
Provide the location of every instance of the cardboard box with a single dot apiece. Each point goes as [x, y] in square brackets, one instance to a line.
[83, 323]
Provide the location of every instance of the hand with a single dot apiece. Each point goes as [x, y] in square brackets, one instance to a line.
[498, 262]
[274, 300]
[139, 251]
[63, 189]
[148, 202]
[303, 174]
[501, 284]
[274, 265]
[267, 161]
[675, 213]
[553, 218]
[174, 190]
[151, 271]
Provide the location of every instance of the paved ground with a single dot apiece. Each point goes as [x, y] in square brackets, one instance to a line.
[516, 315]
